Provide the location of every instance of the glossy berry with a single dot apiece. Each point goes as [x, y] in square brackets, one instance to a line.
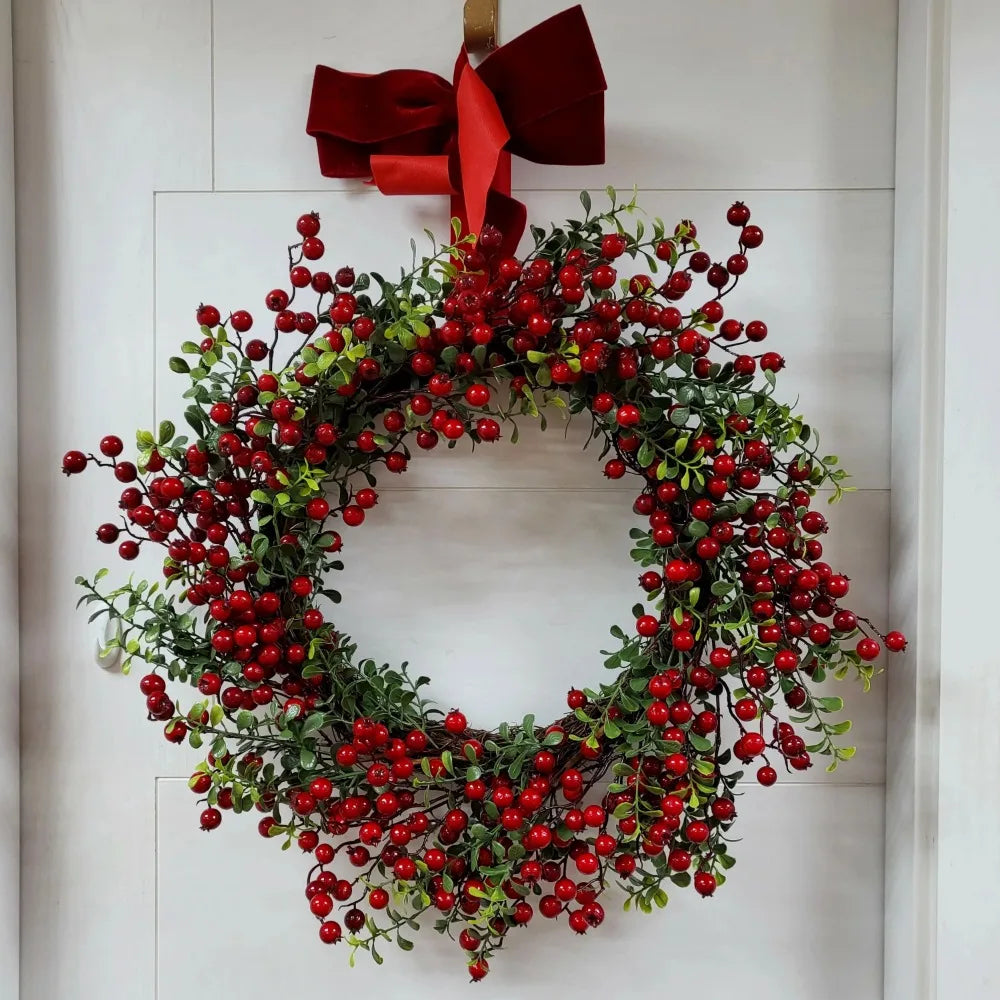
[455, 722]
[895, 642]
[738, 214]
[308, 225]
[73, 462]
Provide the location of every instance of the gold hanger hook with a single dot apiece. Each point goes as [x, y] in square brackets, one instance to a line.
[480, 19]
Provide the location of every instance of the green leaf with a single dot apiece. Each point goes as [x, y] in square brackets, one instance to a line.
[585, 201]
[313, 723]
[180, 366]
[829, 704]
[166, 432]
[700, 744]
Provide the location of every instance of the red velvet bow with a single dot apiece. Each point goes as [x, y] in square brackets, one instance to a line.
[540, 96]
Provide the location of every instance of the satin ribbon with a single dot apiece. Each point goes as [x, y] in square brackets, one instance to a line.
[540, 97]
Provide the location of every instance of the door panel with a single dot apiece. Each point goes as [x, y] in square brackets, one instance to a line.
[801, 917]
[715, 94]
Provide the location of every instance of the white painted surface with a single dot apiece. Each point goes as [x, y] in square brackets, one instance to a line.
[112, 102]
[918, 469]
[786, 932]
[715, 94]
[117, 104]
[942, 806]
[967, 803]
[9, 719]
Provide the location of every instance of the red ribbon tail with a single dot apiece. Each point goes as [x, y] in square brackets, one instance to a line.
[482, 136]
[510, 216]
[411, 174]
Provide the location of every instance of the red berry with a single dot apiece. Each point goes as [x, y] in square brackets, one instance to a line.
[108, 533]
[704, 883]
[679, 860]
[868, 649]
[128, 550]
[73, 462]
[628, 415]
[330, 932]
[313, 248]
[308, 225]
[241, 320]
[477, 395]
[647, 626]
[208, 316]
[455, 723]
[613, 246]
[895, 642]
[317, 509]
[210, 819]
[366, 498]
[738, 214]
[603, 276]
[111, 446]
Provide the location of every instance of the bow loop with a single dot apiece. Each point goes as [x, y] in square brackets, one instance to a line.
[540, 96]
[551, 123]
[354, 116]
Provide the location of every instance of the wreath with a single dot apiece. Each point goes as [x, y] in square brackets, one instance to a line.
[406, 812]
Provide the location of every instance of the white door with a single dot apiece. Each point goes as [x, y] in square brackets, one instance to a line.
[162, 161]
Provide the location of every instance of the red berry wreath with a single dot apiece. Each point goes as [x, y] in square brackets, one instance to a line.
[404, 809]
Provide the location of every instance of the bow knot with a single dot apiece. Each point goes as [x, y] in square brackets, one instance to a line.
[540, 97]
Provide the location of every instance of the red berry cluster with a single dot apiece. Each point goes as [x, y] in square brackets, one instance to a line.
[405, 809]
